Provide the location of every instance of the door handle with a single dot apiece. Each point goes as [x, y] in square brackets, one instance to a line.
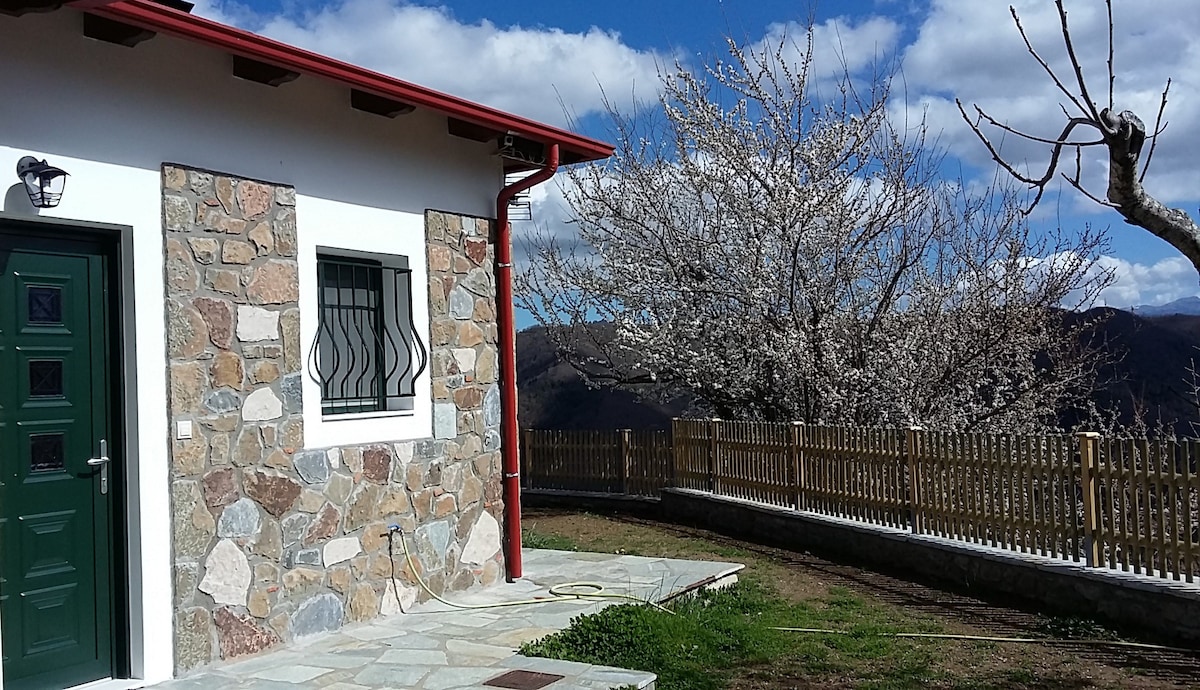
[102, 461]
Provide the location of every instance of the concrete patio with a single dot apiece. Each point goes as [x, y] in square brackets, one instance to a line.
[436, 647]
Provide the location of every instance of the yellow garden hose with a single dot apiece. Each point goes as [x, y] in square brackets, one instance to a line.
[569, 591]
[564, 592]
[984, 638]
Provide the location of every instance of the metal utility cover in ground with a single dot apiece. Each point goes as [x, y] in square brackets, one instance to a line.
[523, 680]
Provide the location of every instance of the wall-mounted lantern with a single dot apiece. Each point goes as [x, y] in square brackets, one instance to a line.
[43, 182]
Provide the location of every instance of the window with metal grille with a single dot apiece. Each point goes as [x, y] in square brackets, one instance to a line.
[367, 354]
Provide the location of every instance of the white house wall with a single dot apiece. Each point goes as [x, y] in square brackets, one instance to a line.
[168, 100]
[112, 116]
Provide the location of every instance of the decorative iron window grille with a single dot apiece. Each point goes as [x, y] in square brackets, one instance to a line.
[366, 355]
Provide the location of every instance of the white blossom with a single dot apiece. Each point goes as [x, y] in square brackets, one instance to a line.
[781, 257]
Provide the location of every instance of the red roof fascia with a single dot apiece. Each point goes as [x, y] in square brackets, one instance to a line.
[165, 20]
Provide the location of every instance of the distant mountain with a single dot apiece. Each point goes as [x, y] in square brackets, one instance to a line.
[1152, 376]
[1189, 306]
[553, 396]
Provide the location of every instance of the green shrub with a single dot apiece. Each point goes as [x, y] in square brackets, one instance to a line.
[1074, 628]
[532, 539]
[710, 634]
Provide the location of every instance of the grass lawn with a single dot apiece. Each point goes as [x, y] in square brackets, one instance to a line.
[725, 639]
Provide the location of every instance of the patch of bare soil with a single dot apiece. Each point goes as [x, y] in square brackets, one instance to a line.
[805, 577]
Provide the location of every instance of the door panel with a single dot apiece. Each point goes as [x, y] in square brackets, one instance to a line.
[55, 541]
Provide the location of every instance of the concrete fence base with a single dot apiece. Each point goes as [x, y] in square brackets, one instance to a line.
[592, 502]
[1165, 610]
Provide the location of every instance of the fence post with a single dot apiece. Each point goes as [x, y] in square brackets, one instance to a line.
[672, 478]
[798, 463]
[623, 467]
[1087, 475]
[526, 475]
[676, 452]
[714, 430]
[912, 452]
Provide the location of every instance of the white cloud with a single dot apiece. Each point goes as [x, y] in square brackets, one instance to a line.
[536, 72]
[971, 50]
[967, 49]
[840, 46]
[551, 218]
[1146, 284]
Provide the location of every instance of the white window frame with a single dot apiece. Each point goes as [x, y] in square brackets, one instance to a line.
[339, 229]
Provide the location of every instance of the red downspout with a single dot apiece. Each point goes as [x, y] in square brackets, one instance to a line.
[509, 450]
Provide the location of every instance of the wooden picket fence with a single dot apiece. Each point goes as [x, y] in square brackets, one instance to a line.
[1144, 506]
[634, 463]
[1021, 493]
[1130, 505]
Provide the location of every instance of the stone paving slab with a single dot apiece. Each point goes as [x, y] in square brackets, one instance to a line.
[438, 647]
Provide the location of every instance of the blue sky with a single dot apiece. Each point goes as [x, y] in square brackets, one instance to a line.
[535, 57]
[692, 25]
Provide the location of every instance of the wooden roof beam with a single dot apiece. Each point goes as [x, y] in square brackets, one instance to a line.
[378, 105]
[261, 72]
[110, 31]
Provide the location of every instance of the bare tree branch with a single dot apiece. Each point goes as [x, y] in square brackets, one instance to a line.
[1060, 141]
[1123, 133]
[1075, 64]
[1075, 182]
[1034, 183]
[1158, 129]
[1045, 65]
[1112, 75]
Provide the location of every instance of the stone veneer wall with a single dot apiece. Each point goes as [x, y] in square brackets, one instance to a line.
[274, 541]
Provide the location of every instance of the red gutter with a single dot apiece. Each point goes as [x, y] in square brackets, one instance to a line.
[510, 460]
[163, 19]
[89, 4]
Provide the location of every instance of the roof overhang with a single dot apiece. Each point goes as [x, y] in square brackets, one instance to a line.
[391, 96]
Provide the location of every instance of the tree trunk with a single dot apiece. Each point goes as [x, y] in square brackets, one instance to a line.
[1124, 135]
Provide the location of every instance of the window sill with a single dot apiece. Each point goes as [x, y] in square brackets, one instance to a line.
[351, 416]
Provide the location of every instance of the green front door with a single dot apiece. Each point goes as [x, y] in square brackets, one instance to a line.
[56, 583]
